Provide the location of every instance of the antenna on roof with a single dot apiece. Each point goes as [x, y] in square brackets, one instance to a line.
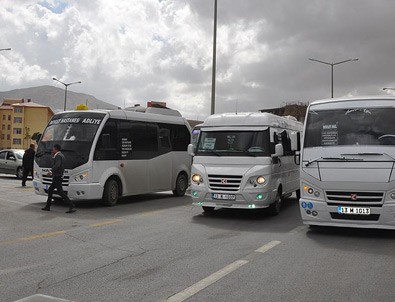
[237, 103]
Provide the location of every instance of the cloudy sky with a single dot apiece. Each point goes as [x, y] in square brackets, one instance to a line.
[161, 50]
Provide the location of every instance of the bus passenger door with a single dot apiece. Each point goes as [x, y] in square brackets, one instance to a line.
[161, 165]
[134, 156]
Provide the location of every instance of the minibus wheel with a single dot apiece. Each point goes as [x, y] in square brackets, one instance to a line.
[275, 207]
[181, 185]
[111, 192]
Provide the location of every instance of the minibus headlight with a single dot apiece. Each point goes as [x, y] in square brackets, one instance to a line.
[81, 177]
[260, 180]
[197, 178]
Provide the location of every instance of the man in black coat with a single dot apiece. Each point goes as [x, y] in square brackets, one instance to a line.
[27, 163]
[57, 178]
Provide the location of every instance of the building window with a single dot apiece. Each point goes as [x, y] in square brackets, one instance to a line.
[17, 141]
[8, 127]
[8, 137]
[18, 110]
[2, 136]
[17, 130]
[3, 117]
[9, 117]
[17, 120]
[3, 127]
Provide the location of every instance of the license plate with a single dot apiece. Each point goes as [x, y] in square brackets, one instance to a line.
[353, 210]
[223, 196]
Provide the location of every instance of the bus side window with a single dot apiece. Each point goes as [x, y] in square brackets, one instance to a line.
[106, 145]
[164, 138]
[286, 142]
[181, 138]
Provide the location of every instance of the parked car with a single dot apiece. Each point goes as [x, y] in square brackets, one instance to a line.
[11, 162]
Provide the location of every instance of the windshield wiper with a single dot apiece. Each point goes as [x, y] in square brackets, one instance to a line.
[210, 151]
[370, 154]
[332, 158]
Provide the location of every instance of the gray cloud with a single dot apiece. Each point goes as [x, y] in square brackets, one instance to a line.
[161, 50]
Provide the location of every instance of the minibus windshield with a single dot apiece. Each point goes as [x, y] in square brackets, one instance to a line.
[234, 143]
[345, 127]
[74, 132]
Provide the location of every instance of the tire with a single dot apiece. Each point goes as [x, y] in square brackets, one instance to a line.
[275, 207]
[19, 173]
[111, 193]
[298, 194]
[181, 185]
[208, 209]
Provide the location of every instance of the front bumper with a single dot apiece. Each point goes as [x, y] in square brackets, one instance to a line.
[245, 199]
[381, 217]
[75, 191]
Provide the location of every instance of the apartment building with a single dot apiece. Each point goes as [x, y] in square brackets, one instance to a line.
[19, 120]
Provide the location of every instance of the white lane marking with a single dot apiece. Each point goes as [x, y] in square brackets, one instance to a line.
[267, 246]
[202, 284]
[297, 229]
[42, 298]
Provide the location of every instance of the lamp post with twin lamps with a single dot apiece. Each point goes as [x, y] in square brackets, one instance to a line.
[1, 49]
[65, 91]
[388, 88]
[331, 65]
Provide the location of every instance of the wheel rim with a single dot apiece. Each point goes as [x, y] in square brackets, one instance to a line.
[182, 184]
[20, 173]
[114, 192]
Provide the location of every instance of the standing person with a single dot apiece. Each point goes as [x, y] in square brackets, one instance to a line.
[57, 178]
[27, 163]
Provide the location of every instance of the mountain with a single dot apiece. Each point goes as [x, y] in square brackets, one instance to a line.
[54, 97]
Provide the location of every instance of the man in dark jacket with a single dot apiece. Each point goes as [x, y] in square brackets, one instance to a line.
[57, 178]
[27, 163]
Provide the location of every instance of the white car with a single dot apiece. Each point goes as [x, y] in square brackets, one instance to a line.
[11, 162]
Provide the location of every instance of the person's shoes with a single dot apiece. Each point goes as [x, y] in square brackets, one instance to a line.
[71, 211]
[23, 185]
[45, 209]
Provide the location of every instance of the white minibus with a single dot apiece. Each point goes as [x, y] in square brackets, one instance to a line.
[110, 154]
[245, 161]
[347, 163]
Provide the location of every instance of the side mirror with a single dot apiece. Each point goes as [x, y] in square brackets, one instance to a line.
[279, 150]
[297, 158]
[294, 141]
[191, 150]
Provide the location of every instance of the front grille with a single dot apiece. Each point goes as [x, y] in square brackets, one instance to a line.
[354, 197]
[48, 181]
[357, 205]
[371, 217]
[228, 183]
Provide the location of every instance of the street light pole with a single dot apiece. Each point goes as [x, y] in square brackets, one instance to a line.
[65, 91]
[214, 59]
[333, 64]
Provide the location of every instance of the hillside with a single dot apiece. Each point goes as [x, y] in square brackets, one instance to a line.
[54, 97]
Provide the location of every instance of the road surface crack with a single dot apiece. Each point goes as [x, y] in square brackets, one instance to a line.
[143, 251]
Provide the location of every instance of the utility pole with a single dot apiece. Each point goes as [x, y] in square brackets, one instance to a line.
[214, 60]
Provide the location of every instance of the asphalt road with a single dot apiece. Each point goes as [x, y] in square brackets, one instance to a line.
[157, 247]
